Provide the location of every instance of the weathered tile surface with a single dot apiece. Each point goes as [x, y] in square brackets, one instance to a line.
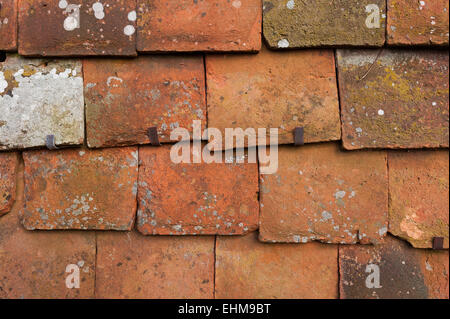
[418, 196]
[75, 27]
[189, 198]
[187, 25]
[247, 268]
[35, 264]
[275, 90]
[126, 97]
[40, 98]
[311, 23]
[417, 22]
[81, 189]
[8, 25]
[398, 100]
[323, 193]
[134, 266]
[8, 168]
[404, 272]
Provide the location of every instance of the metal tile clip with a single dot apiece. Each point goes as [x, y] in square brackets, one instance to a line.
[298, 136]
[152, 133]
[438, 242]
[50, 142]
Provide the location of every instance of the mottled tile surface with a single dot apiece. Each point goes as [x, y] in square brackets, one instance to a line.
[81, 189]
[247, 268]
[280, 90]
[76, 27]
[312, 23]
[8, 25]
[126, 97]
[191, 198]
[418, 196]
[40, 98]
[154, 267]
[323, 193]
[44, 264]
[393, 270]
[394, 98]
[417, 22]
[187, 25]
[8, 167]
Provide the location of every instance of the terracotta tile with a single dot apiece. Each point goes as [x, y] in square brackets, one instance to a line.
[404, 272]
[8, 168]
[34, 264]
[81, 189]
[323, 193]
[8, 25]
[187, 25]
[134, 266]
[275, 90]
[190, 198]
[398, 101]
[418, 196]
[40, 98]
[312, 23]
[75, 27]
[126, 97]
[246, 268]
[417, 22]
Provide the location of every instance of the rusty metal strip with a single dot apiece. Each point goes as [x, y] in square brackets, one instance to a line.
[152, 133]
[50, 142]
[298, 136]
[438, 242]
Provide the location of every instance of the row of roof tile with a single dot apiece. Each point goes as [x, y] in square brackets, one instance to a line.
[128, 265]
[380, 98]
[123, 28]
[319, 192]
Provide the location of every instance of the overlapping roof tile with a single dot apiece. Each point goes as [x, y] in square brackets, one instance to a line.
[126, 97]
[129, 158]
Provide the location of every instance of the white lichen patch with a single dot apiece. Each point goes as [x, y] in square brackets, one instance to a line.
[237, 4]
[3, 83]
[283, 43]
[3, 22]
[40, 98]
[382, 231]
[339, 194]
[132, 16]
[99, 12]
[81, 205]
[129, 30]
[63, 4]
[290, 4]
[326, 216]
